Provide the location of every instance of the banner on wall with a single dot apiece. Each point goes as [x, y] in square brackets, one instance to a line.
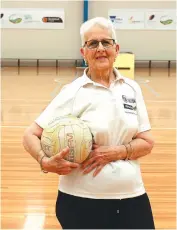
[160, 20]
[127, 19]
[30, 18]
[143, 19]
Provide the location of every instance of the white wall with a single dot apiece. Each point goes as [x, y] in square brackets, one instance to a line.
[24, 43]
[154, 45]
[146, 44]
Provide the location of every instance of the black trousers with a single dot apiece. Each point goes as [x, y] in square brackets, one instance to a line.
[83, 213]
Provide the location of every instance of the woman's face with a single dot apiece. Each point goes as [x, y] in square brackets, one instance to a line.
[99, 58]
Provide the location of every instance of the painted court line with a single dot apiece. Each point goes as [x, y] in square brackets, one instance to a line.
[159, 101]
[24, 100]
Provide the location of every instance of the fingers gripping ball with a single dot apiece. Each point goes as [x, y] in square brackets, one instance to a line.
[67, 131]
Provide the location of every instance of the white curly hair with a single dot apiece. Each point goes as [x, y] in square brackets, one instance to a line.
[100, 21]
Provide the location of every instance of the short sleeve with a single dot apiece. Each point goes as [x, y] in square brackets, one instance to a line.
[143, 118]
[61, 105]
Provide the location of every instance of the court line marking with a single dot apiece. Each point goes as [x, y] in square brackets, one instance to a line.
[158, 101]
[23, 100]
[21, 126]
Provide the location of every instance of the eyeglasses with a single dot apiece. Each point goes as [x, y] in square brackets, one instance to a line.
[93, 44]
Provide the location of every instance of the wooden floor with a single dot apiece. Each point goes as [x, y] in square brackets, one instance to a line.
[28, 196]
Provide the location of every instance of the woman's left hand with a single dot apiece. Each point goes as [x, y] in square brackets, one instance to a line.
[100, 156]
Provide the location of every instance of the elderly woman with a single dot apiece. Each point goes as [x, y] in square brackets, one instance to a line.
[106, 191]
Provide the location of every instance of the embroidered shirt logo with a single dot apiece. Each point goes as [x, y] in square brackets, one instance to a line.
[129, 104]
[128, 100]
[131, 107]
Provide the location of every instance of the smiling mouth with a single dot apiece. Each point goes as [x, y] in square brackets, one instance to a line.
[102, 57]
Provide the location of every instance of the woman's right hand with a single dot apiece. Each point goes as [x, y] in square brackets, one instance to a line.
[57, 164]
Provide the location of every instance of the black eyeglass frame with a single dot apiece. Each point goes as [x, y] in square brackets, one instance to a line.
[114, 42]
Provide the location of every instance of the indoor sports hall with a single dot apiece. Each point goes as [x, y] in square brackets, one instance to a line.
[39, 57]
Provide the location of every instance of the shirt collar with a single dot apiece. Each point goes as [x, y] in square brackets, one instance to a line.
[87, 80]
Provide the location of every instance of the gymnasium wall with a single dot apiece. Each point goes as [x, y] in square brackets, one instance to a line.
[65, 44]
[146, 44]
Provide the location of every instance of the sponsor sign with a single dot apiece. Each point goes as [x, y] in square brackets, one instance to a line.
[30, 18]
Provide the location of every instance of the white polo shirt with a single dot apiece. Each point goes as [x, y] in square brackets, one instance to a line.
[115, 115]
